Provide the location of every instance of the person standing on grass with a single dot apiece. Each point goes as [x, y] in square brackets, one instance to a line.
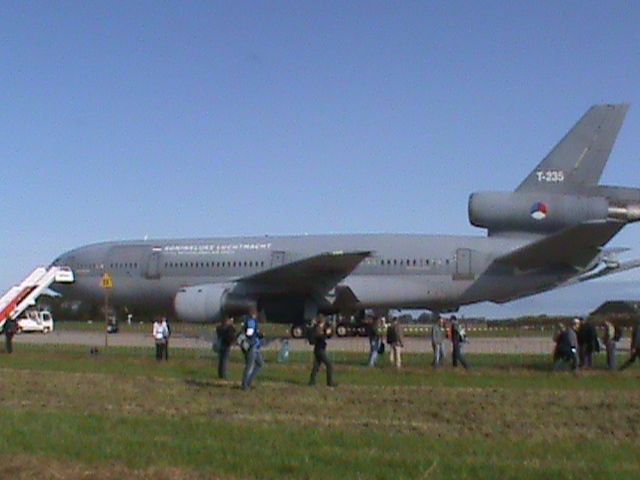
[566, 348]
[437, 342]
[253, 355]
[588, 342]
[458, 338]
[166, 326]
[10, 328]
[160, 337]
[572, 338]
[226, 334]
[321, 331]
[376, 329]
[395, 341]
[635, 345]
[559, 335]
[610, 343]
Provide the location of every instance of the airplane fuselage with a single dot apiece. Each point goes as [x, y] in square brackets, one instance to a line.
[402, 271]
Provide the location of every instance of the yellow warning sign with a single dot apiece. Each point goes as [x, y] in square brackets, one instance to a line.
[107, 281]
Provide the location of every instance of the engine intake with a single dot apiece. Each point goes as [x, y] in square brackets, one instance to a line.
[208, 303]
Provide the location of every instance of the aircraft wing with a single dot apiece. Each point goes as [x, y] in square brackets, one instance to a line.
[572, 247]
[318, 273]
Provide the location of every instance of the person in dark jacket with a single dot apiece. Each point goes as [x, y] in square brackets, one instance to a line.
[587, 343]
[254, 360]
[457, 339]
[10, 329]
[566, 350]
[635, 345]
[226, 334]
[321, 332]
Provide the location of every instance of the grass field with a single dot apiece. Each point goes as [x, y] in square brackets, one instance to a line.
[120, 414]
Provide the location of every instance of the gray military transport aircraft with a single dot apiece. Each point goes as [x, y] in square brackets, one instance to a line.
[550, 232]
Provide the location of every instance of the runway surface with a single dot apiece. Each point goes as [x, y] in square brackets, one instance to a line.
[525, 345]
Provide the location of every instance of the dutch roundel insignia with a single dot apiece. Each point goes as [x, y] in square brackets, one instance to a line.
[539, 211]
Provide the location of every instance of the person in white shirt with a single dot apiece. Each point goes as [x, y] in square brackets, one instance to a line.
[166, 330]
[160, 337]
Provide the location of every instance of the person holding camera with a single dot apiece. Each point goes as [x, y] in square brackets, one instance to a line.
[321, 331]
[253, 355]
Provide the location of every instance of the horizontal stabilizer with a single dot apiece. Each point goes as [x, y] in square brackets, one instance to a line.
[577, 161]
[573, 247]
[622, 267]
[318, 273]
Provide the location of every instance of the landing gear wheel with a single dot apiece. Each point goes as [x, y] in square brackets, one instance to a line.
[341, 331]
[297, 331]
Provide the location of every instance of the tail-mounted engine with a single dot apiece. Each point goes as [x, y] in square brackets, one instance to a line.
[542, 212]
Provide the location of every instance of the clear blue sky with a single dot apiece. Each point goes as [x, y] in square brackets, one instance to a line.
[169, 119]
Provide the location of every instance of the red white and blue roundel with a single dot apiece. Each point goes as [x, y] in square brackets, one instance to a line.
[539, 211]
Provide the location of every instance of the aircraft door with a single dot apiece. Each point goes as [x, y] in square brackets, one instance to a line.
[463, 264]
[126, 260]
[152, 270]
[277, 258]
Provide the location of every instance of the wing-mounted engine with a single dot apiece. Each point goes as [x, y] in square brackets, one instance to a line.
[208, 303]
[541, 212]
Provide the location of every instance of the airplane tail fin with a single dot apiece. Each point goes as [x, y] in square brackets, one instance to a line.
[578, 159]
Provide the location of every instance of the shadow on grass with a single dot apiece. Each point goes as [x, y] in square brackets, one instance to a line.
[192, 382]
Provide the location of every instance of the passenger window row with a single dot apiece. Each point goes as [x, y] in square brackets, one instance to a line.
[128, 265]
[422, 262]
[88, 266]
[249, 264]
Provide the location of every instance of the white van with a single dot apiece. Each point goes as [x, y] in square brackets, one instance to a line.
[35, 321]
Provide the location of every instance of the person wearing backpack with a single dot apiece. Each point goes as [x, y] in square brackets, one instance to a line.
[253, 355]
[395, 341]
[635, 345]
[610, 341]
[320, 332]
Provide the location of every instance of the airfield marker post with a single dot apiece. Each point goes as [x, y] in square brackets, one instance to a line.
[107, 285]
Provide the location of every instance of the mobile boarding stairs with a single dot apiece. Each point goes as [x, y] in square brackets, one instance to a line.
[20, 297]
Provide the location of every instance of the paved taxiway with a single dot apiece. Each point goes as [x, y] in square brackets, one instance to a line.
[526, 345]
